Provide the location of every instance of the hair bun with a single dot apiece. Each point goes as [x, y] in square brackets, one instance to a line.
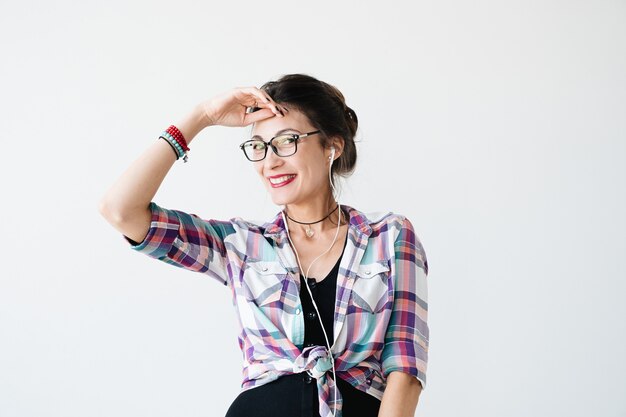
[352, 115]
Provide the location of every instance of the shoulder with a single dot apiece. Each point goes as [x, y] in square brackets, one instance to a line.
[394, 227]
[382, 220]
[251, 226]
[241, 224]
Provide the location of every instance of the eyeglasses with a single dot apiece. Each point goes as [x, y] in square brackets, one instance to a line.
[282, 145]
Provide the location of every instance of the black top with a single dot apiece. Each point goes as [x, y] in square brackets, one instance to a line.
[295, 395]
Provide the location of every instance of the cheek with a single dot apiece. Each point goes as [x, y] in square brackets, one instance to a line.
[316, 177]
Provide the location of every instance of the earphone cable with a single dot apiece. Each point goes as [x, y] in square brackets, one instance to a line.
[332, 360]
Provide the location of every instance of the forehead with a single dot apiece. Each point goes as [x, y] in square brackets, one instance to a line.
[293, 121]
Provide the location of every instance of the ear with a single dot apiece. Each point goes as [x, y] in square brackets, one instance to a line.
[337, 142]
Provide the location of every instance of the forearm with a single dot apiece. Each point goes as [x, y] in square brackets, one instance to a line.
[136, 187]
[401, 395]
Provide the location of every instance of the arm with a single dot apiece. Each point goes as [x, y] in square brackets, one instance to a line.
[405, 353]
[126, 204]
[173, 236]
[401, 395]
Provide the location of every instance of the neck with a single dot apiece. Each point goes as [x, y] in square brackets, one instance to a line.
[313, 211]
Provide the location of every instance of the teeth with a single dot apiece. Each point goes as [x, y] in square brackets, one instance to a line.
[281, 179]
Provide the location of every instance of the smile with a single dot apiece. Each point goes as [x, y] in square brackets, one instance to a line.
[281, 181]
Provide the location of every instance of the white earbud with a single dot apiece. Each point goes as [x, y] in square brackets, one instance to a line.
[332, 156]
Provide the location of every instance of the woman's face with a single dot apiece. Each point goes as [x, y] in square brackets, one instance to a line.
[308, 166]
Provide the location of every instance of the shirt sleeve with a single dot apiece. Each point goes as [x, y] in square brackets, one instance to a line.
[406, 337]
[187, 241]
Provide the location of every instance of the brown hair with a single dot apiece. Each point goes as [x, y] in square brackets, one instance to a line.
[325, 106]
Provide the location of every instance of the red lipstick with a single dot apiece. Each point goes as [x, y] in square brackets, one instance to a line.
[282, 184]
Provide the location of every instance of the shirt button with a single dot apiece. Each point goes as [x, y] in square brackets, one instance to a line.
[368, 272]
[307, 379]
[297, 311]
[311, 315]
[264, 269]
[310, 344]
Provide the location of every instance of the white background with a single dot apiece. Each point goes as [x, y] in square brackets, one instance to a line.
[497, 127]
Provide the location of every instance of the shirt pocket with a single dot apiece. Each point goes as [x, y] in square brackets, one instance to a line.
[264, 281]
[370, 290]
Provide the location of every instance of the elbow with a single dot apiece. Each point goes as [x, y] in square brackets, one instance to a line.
[123, 217]
[109, 212]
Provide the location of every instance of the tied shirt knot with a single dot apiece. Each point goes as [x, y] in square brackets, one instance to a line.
[317, 362]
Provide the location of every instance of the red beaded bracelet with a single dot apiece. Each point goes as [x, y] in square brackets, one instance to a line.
[176, 134]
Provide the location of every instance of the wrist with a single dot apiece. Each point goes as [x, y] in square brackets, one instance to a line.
[203, 118]
[199, 113]
[192, 124]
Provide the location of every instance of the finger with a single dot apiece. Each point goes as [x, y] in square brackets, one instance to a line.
[271, 107]
[263, 95]
[263, 99]
[258, 115]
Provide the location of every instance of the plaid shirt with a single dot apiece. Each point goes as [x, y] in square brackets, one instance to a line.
[380, 322]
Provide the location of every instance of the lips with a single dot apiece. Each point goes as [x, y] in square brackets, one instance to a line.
[281, 180]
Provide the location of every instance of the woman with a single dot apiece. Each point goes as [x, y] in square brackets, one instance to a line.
[349, 336]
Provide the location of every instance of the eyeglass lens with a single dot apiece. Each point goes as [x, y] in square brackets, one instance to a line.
[285, 146]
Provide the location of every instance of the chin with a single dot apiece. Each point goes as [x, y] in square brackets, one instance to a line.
[281, 201]
[280, 197]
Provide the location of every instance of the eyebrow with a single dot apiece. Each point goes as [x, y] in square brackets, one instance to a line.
[277, 133]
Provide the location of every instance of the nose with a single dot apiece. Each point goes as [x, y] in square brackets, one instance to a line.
[272, 160]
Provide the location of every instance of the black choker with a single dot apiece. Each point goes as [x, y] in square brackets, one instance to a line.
[308, 230]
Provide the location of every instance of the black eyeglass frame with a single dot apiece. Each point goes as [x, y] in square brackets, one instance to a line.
[295, 136]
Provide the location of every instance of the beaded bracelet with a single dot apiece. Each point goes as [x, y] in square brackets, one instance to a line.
[174, 142]
[173, 130]
[178, 151]
[177, 141]
[173, 147]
